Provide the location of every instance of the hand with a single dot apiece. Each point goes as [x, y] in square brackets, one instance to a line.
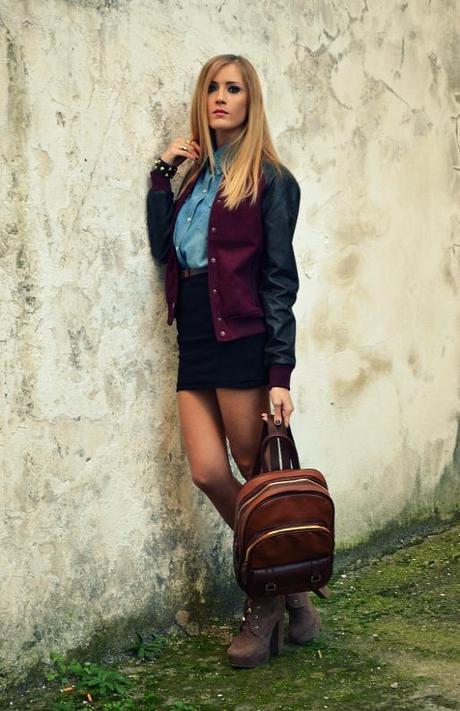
[175, 154]
[282, 404]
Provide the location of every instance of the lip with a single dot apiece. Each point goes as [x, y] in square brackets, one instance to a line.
[220, 112]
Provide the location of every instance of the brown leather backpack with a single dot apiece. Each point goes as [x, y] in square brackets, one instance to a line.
[284, 522]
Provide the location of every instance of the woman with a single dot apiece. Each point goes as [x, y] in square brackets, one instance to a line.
[231, 281]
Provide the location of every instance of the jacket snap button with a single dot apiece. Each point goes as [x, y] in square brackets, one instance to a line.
[219, 318]
[213, 229]
[213, 259]
[222, 333]
[214, 291]
[173, 303]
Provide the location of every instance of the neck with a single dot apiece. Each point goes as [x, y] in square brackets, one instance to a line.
[221, 138]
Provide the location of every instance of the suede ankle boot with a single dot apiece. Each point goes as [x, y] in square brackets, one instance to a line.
[261, 632]
[304, 619]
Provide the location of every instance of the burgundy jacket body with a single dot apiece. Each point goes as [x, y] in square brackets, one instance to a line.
[252, 273]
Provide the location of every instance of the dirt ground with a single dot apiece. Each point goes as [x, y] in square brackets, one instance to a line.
[389, 641]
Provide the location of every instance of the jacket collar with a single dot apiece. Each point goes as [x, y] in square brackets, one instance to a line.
[218, 155]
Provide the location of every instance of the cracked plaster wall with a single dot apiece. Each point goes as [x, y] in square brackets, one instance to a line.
[101, 526]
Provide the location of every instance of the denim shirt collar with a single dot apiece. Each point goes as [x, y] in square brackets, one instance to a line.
[218, 155]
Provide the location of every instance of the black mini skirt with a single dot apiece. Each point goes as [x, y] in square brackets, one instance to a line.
[205, 362]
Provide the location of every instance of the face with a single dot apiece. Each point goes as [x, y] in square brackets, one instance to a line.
[227, 93]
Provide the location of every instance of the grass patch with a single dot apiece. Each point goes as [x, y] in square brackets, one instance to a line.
[389, 642]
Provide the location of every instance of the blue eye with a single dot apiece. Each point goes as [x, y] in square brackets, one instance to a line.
[234, 89]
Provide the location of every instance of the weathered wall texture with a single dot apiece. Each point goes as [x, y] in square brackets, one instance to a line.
[101, 526]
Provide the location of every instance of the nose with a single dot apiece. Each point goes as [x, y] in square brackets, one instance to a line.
[220, 96]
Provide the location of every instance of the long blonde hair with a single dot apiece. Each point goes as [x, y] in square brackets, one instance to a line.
[242, 164]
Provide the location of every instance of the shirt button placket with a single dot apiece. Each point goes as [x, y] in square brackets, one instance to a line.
[214, 291]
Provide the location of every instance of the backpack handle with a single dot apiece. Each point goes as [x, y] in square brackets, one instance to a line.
[277, 448]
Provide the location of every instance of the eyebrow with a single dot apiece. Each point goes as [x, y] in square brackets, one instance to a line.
[227, 82]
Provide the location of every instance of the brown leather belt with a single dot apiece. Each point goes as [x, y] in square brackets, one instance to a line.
[186, 273]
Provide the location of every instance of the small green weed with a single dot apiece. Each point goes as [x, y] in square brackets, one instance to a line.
[88, 678]
[148, 651]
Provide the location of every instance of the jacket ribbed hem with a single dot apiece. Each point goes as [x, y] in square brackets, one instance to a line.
[280, 375]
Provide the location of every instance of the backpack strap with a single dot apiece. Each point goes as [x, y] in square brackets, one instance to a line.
[277, 448]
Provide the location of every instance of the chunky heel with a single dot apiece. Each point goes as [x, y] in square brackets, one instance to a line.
[277, 638]
[261, 632]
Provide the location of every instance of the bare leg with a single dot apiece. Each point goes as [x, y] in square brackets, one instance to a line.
[242, 410]
[203, 435]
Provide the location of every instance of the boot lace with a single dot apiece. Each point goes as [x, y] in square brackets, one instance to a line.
[251, 616]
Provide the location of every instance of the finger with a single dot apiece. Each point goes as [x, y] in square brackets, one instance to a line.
[276, 401]
[191, 143]
[184, 153]
[265, 416]
[183, 145]
[287, 412]
[180, 150]
[197, 150]
[277, 414]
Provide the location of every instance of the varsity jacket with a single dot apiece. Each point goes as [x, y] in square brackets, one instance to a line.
[252, 272]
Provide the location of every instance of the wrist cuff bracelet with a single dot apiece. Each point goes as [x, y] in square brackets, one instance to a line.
[160, 166]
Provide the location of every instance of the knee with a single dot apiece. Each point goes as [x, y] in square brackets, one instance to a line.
[206, 479]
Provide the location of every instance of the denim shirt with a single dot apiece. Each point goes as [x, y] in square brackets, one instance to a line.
[191, 228]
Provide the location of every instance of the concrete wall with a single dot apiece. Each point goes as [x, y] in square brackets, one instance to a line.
[102, 531]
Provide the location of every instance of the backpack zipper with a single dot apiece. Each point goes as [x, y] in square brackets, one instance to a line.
[311, 526]
[283, 481]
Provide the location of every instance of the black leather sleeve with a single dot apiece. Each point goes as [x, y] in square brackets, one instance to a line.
[160, 209]
[279, 276]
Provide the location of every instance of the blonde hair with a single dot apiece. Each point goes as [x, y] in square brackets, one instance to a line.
[242, 164]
